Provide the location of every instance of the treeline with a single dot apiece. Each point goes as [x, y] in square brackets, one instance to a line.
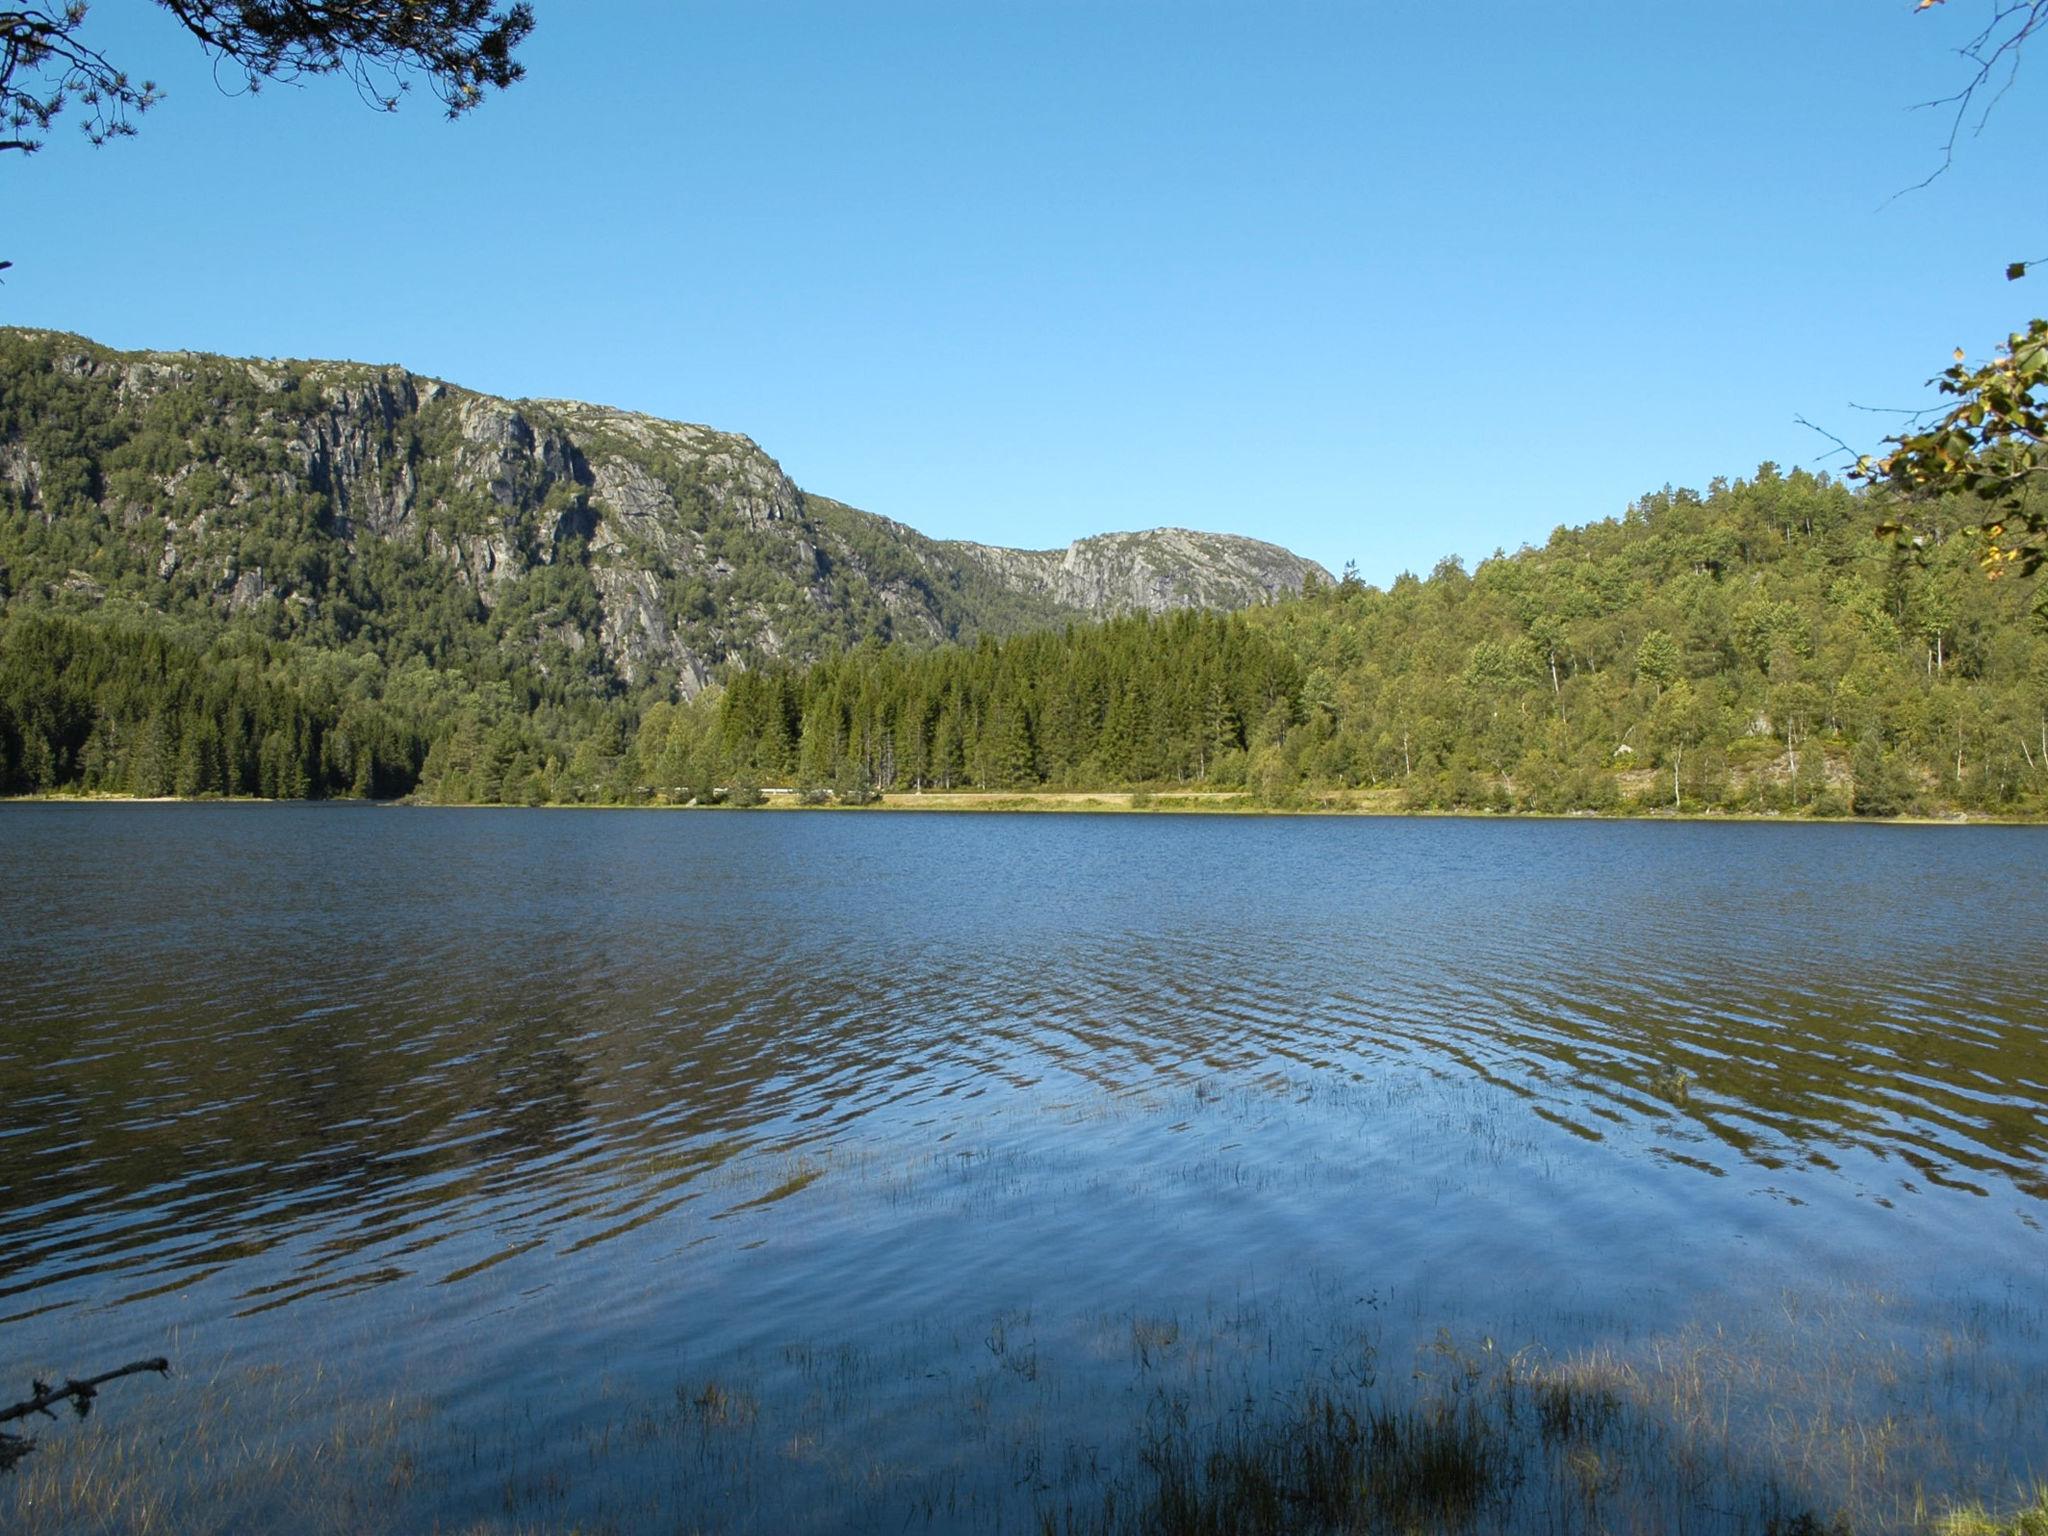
[1133, 701]
[95, 707]
[1756, 648]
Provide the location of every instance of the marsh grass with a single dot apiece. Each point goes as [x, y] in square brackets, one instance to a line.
[1331, 1464]
[2031, 1519]
[1249, 1420]
[260, 1449]
[1491, 1443]
[1847, 1408]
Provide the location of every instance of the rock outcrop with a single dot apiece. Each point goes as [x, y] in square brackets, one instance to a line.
[1151, 572]
[583, 537]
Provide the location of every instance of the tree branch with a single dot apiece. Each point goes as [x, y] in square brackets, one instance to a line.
[463, 48]
[1996, 44]
[78, 1393]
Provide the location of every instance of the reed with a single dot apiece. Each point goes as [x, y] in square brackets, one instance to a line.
[1251, 1420]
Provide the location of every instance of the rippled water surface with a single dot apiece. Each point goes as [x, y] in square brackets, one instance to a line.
[499, 1106]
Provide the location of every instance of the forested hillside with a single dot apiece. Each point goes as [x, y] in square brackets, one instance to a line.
[378, 546]
[1755, 649]
[224, 577]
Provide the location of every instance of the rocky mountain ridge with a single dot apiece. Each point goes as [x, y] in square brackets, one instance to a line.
[345, 503]
[1151, 572]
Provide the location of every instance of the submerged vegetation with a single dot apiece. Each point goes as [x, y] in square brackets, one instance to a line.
[1757, 649]
[1976, 1520]
[1158, 1426]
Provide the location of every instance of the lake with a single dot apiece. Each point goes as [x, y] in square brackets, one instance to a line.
[671, 1170]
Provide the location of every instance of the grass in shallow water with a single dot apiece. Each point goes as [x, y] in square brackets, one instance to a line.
[1246, 1422]
[1976, 1520]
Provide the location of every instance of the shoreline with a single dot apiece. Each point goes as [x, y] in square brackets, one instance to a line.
[1085, 803]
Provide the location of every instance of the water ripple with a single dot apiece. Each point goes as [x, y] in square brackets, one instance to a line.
[404, 1048]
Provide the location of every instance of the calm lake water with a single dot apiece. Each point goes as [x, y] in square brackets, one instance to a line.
[922, 1135]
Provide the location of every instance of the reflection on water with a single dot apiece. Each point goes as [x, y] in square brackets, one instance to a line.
[423, 1078]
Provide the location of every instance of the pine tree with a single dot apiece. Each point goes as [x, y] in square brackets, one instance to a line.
[1008, 758]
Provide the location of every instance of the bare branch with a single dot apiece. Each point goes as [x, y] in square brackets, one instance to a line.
[79, 1394]
[1840, 446]
[1993, 50]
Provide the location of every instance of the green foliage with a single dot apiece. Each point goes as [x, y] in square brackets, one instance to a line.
[1131, 701]
[1754, 650]
[1975, 1520]
[1988, 450]
[1657, 658]
[463, 48]
[1883, 787]
[140, 709]
[194, 600]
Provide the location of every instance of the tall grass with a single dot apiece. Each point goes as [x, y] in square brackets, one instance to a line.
[1976, 1520]
[1247, 1422]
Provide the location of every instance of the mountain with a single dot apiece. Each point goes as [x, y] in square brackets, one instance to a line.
[356, 507]
[1156, 571]
[318, 579]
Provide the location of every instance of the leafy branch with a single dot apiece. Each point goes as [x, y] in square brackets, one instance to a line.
[44, 67]
[1987, 447]
[463, 48]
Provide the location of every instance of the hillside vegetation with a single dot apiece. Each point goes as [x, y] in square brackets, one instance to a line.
[223, 575]
[1754, 649]
[228, 577]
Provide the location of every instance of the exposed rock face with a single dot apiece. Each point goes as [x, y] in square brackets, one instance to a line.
[1152, 572]
[677, 549]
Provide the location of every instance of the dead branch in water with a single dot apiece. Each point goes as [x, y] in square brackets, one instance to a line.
[78, 1393]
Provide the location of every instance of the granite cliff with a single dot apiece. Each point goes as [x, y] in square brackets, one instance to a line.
[349, 505]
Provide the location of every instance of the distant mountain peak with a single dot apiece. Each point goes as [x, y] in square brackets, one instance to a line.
[1152, 570]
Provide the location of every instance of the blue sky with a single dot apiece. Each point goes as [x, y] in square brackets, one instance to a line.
[1375, 282]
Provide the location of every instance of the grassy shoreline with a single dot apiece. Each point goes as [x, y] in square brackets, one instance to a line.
[1160, 1425]
[1106, 802]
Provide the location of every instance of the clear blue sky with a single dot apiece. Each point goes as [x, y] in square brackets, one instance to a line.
[1376, 282]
